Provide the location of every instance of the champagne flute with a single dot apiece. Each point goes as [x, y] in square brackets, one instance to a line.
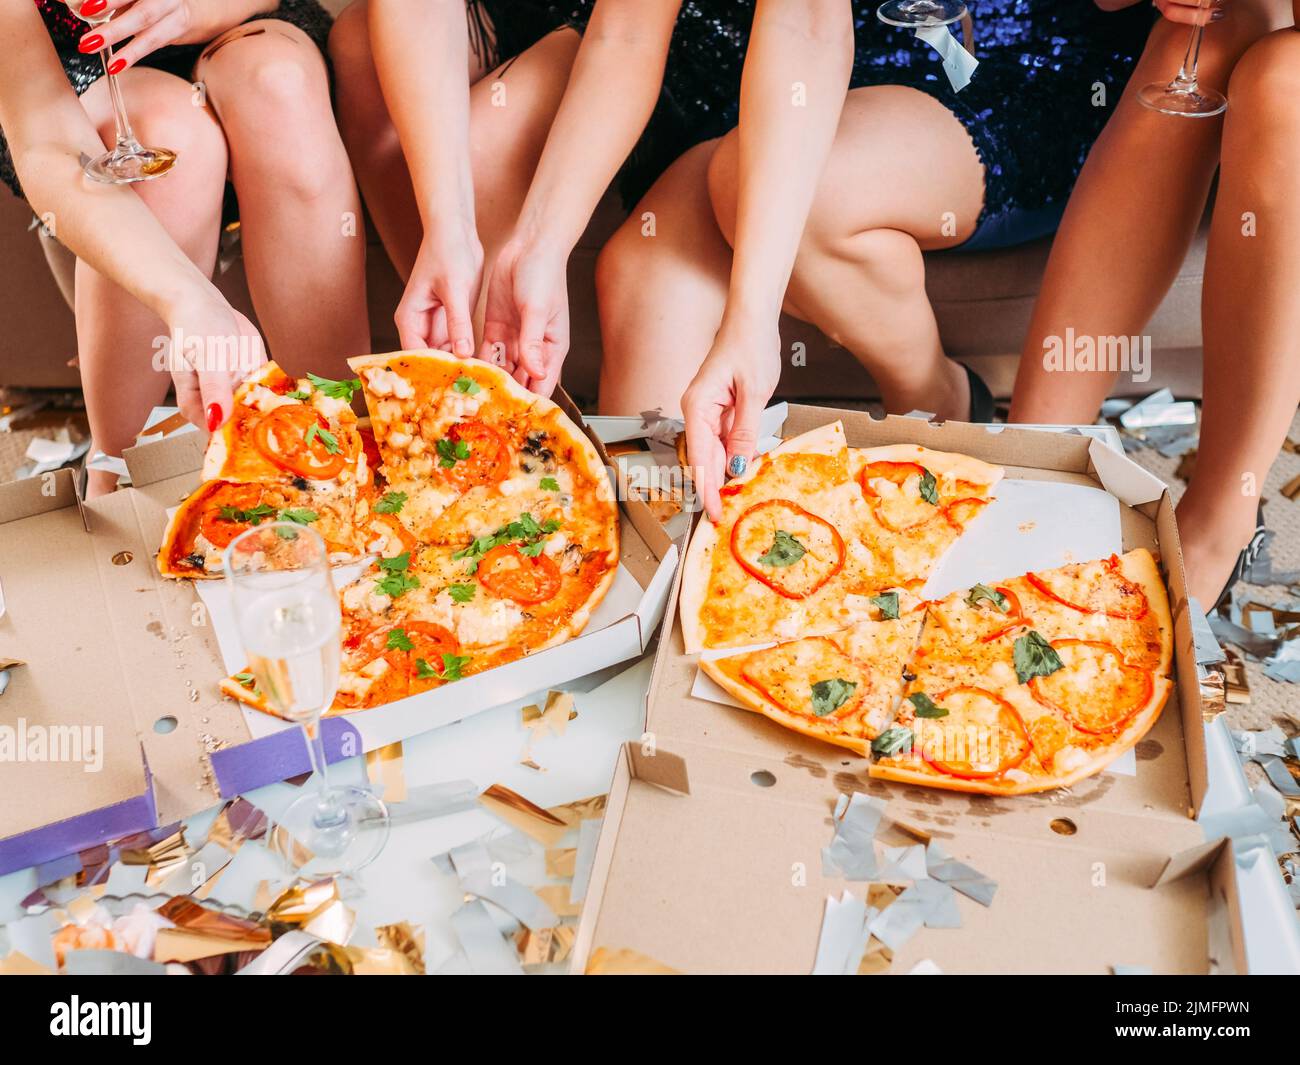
[289, 622]
[129, 160]
[913, 13]
[1184, 96]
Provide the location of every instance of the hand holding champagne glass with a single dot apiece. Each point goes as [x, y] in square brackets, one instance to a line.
[1185, 96]
[129, 160]
[289, 623]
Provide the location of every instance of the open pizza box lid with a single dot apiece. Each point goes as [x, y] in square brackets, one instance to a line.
[114, 723]
[710, 854]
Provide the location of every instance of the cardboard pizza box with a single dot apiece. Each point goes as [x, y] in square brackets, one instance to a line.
[128, 661]
[710, 854]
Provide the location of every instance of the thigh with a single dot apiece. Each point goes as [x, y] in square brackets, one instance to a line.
[900, 160]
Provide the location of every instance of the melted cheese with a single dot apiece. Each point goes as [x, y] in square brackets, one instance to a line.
[385, 382]
[483, 621]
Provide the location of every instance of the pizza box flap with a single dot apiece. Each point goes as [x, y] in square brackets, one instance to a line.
[74, 691]
[738, 854]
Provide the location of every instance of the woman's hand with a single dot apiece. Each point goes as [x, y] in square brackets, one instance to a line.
[1192, 12]
[723, 404]
[213, 347]
[526, 323]
[154, 24]
[437, 308]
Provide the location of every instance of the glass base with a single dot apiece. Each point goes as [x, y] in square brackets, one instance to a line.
[315, 850]
[1190, 101]
[913, 13]
[122, 166]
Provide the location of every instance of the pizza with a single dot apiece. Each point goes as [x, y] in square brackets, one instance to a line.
[1021, 685]
[814, 532]
[1047, 678]
[486, 516]
[842, 688]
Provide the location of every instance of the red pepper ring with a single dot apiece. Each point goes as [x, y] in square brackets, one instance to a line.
[1112, 564]
[754, 571]
[1015, 615]
[1007, 717]
[1142, 699]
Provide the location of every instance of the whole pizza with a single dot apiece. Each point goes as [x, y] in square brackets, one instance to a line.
[1020, 684]
[483, 514]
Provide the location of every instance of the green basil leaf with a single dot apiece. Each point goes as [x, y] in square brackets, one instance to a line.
[399, 641]
[466, 386]
[888, 604]
[925, 706]
[983, 591]
[335, 389]
[391, 503]
[829, 695]
[892, 741]
[929, 488]
[461, 593]
[1034, 657]
[785, 551]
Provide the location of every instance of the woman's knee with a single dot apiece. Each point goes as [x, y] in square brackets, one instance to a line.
[1266, 82]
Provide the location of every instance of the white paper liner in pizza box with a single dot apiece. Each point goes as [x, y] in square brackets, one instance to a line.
[618, 630]
[1029, 525]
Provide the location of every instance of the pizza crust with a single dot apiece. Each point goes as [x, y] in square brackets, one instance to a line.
[1139, 566]
[1138, 727]
[951, 463]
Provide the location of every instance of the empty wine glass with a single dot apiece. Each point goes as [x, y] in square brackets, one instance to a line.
[913, 13]
[1184, 96]
[289, 622]
[128, 160]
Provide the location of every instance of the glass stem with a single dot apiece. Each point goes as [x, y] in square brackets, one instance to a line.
[126, 141]
[1191, 58]
[329, 812]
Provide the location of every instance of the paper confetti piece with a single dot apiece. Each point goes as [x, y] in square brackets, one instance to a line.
[852, 853]
[839, 947]
[485, 947]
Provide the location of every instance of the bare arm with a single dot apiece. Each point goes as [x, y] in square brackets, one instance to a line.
[153, 24]
[792, 92]
[107, 226]
[611, 94]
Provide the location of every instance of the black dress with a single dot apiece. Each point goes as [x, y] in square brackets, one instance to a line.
[84, 70]
[1050, 75]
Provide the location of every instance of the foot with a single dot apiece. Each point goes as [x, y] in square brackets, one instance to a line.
[946, 396]
[1213, 537]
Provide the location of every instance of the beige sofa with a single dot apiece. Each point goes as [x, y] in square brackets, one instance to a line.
[983, 301]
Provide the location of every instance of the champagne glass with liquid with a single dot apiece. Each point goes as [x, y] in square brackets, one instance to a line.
[289, 622]
[128, 160]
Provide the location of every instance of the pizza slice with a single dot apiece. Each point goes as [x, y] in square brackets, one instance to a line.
[216, 512]
[842, 688]
[1014, 691]
[918, 502]
[785, 553]
[301, 432]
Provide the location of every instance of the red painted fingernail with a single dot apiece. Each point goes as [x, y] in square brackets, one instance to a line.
[117, 66]
[214, 417]
[92, 42]
[93, 7]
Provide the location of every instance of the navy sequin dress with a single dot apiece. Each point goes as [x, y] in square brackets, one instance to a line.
[1033, 107]
[84, 70]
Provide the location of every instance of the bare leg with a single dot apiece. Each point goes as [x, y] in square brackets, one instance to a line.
[371, 139]
[117, 336]
[902, 176]
[1250, 311]
[1131, 218]
[303, 235]
[661, 283]
[506, 138]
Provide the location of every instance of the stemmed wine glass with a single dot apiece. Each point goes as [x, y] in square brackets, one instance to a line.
[289, 622]
[1184, 96]
[129, 160]
[921, 12]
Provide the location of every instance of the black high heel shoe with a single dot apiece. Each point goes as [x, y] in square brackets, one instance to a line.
[981, 399]
[1245, 560]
